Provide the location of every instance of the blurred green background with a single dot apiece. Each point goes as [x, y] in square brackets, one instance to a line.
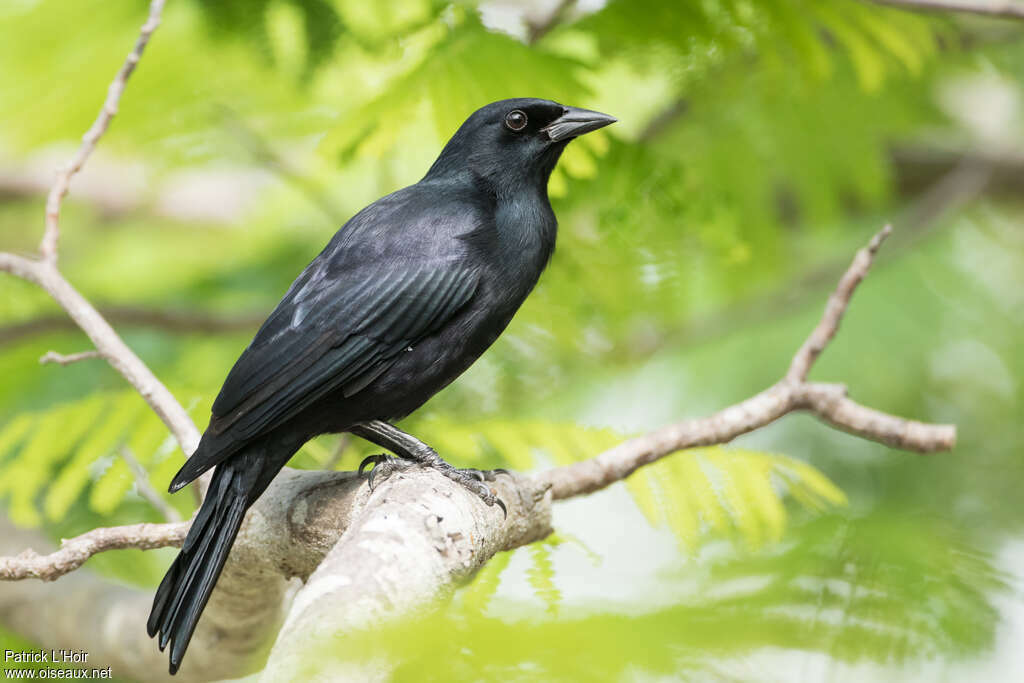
[760, 143]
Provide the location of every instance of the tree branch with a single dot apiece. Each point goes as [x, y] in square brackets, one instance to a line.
[173, 321]
[74, 552]
[792, 392]
[538, 28]
[410, 542]
[366, 556]
[835, 308]
[146, 489]
[994, 8]
[44, 272]
[60, 359]
[826, 401]
[48, 246]
[108, 344]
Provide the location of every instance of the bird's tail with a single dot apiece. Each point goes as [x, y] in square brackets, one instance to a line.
[185, 589]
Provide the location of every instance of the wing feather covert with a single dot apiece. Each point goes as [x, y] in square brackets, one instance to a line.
[330, 334]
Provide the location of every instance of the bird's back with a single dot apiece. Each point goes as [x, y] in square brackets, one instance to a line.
[331, 355]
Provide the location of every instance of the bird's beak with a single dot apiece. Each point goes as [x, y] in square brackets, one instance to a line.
[575, 122]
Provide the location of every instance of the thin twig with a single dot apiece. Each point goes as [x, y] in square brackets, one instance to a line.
[44, 271]
[74, 552]
[343, 443]
[54, 357]
[271, 159]
[828, 402]
[108, 343]
[535, 30]
[146, 489]
[48, 246]
[663, 120]
[167, 320]
[992, 8]
[835, 308]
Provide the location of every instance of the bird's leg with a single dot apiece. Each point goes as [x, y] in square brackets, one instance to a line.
[409, 448]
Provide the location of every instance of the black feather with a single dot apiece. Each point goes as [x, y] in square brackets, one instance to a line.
[185, 589]
[402, 300]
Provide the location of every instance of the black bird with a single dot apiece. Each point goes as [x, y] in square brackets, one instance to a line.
[405, 297]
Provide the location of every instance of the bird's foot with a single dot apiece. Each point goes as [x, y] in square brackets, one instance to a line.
[472, 479]
[383, 467]
[412, 449]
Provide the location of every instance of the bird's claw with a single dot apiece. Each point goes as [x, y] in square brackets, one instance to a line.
[485, 475]
[473, 480]
[383, 467]
[371, 459]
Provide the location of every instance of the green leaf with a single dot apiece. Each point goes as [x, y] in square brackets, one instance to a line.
[714, 490]
[55, 433]
[453, 78]
[122, 410]
[13, 432]
[478, 594]
[541, 577]
[867, 60]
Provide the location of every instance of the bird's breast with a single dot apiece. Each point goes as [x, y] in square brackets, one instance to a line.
[525, 230]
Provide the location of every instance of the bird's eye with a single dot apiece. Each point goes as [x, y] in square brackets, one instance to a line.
[515, 120]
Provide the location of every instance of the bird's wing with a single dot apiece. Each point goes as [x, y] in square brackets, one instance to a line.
[331, 334]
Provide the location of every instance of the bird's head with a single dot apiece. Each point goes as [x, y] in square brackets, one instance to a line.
[511, 143]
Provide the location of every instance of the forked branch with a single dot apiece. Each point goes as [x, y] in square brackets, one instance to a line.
[43, 270]
[793, 392]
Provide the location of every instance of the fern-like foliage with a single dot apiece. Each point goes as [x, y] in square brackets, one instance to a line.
[452, 78]
[542, 577]
[728, 489]
[51, 458]
[853, 590]
[320, 25]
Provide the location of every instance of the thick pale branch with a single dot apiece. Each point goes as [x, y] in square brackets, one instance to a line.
[407, 545]
[412, 539]
[286, 535]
